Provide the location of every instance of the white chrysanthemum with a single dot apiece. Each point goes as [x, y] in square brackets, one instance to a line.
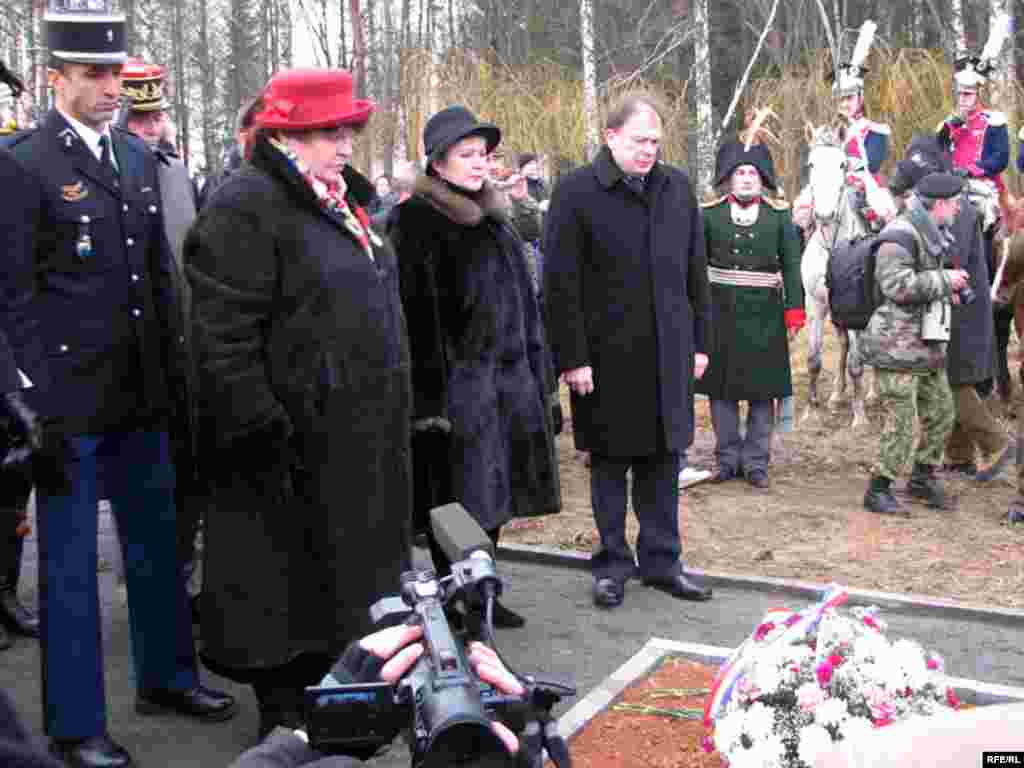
[773, 748]
[911, 659]
[728, 730]
[766, 676]
[813, 741]
[856, 729]
[831, 712]
[869, 645]
[759, 722]
[755, 757]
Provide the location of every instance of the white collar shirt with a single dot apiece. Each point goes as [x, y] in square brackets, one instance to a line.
[91, 136]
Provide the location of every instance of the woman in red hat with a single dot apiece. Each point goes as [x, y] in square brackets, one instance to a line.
[304, 388]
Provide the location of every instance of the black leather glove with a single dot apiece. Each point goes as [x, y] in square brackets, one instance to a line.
[357, 665]
[25, 421]
[557, 419]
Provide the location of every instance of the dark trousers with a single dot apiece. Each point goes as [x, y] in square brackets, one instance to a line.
[743, 452]
[138, 477]
[656, 505]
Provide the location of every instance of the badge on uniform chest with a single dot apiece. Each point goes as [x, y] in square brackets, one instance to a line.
[83, 245]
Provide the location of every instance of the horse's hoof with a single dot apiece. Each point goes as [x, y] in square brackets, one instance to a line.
[835, 401]
[811, 417]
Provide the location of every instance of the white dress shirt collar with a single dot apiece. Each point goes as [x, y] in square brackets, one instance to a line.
[90, 136]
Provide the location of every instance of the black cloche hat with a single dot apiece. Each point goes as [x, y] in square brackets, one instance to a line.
[453, 124]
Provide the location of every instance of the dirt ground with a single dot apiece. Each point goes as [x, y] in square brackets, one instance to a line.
[811, 523]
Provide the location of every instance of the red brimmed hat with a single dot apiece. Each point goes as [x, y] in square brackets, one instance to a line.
[305, 99]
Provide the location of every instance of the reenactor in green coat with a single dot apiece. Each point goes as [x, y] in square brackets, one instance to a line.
[757, 307]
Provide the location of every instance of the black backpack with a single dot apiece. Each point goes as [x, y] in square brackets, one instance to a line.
[850, 279]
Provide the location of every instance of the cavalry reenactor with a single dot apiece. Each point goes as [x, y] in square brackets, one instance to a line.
[93, 321]
[757, 304]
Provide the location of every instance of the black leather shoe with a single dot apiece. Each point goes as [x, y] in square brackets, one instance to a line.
[882, 503]
[15, 616]
[506, 619]
[199, 702]
[609, 593]
[722, 475]
[680, 586]
[759, 479]
[94, 752]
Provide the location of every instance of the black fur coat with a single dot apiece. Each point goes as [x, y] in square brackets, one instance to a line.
[482, 433]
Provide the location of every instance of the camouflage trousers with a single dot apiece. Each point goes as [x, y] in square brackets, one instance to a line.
[908, 398]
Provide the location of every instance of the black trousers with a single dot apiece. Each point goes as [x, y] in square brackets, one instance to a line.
[656, 505]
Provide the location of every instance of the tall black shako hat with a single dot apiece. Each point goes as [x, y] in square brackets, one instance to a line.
[452, 124]
[733, 154]
[85, 32]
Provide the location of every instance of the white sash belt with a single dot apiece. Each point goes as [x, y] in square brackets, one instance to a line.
[745, 278]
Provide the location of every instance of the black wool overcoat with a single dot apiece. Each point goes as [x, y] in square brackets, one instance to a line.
[482, 432]
[970, 356]
[297, 330]
[626, 292]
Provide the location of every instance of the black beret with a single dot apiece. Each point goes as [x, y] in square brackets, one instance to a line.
[924, 156]
[940, 186]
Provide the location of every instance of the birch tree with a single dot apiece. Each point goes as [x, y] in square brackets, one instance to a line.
[1000, 20]
[956, 28]
[706, 133]
[590, 116]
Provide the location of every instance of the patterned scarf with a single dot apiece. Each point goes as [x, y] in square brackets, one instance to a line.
[356, 222]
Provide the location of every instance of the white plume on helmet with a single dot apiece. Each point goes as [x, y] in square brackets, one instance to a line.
[973, 71]
[849, 76]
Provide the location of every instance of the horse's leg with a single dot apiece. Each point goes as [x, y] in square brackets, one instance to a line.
[839, 390]
[814, 346]
[856, 368]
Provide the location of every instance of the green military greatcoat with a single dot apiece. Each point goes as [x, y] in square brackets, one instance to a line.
[749, 351]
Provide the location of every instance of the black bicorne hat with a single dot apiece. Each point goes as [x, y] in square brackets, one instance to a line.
[86, 37]
[733, 154]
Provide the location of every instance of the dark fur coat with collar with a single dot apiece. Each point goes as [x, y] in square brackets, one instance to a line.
[482, 433]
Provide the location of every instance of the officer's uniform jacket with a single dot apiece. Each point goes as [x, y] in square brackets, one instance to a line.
[749, 351]
[88, 300]
[866, 138]
[981, 145]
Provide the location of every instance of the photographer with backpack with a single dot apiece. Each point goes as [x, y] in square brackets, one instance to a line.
[906, 340]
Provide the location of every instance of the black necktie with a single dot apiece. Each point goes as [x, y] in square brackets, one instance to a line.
[636, 183]
[105, 154]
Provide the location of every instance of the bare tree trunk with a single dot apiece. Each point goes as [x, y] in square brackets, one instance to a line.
[706, 133]
[1002, 94]
[358, 47]
[956, 28]
[178, 43]
[208, 90]
[589, 79]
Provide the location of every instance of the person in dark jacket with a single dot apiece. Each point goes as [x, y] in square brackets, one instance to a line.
[303, 371]
[482, 434]
[626, 289]
[979, 446]
[90, 310]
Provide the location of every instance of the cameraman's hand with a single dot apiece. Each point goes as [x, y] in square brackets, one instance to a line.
[383, 656]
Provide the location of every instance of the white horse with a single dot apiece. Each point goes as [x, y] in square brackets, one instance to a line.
[831, 197]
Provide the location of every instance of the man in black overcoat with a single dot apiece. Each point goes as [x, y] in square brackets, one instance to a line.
[88, 304]
[628, 303]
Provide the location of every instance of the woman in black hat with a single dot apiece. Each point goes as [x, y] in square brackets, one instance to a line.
[481, 432]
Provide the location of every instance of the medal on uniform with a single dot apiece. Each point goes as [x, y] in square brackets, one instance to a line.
[83, 246]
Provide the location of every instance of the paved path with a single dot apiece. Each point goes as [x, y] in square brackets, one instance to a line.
[566, 636]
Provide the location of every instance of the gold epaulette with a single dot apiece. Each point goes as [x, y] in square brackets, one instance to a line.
[778, 203]
[714, 201]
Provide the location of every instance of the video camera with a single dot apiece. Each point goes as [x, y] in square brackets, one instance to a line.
[448, 708]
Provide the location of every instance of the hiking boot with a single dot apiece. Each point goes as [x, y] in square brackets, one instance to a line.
[993, 466]
[879, 499]
[1016, 511]
[924, 485]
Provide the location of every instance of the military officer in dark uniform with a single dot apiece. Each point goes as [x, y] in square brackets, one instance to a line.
[90, 311]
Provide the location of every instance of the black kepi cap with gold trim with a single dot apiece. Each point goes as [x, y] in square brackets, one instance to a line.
[85, 32]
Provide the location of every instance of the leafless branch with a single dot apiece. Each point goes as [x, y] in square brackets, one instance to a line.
[750, 66]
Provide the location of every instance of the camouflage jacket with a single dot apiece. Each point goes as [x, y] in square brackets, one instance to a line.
[906, 281]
